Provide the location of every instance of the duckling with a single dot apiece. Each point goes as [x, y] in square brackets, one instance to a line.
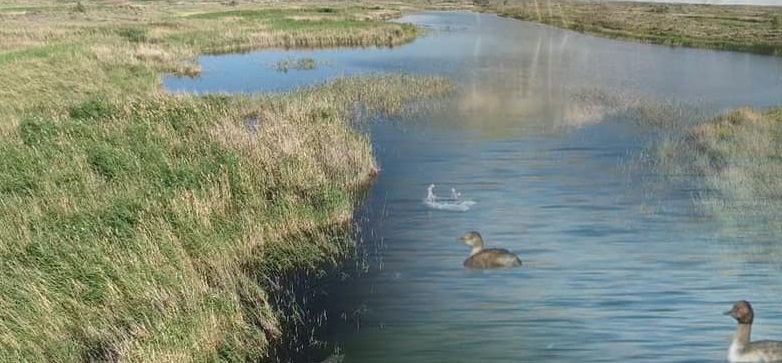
[489, 257]
[741, 349]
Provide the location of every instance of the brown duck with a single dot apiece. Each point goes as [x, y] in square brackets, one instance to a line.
[487, 257]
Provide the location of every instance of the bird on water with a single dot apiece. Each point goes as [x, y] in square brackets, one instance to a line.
[742, 350]
[481, 257]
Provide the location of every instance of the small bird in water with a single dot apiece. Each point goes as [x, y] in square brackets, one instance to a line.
[487, 257]
[741, 349]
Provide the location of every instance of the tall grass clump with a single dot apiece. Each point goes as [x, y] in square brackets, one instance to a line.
[776, 21]
[163, 229]
[79, 7]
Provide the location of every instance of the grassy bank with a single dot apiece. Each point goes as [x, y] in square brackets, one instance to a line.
[139, 230]
[740, 28]
[139, 226]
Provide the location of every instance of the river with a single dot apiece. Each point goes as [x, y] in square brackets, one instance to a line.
[552, 135]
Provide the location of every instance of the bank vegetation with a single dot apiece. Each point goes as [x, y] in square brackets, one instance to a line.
[142, 226]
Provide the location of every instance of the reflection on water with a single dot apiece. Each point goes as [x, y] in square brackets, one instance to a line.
[619, 264]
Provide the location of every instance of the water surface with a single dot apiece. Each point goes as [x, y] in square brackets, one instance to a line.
[619, 263]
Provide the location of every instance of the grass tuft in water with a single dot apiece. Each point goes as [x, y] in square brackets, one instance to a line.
[300, 64]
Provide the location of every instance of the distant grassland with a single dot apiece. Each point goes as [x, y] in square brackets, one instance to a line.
[741, 28]
[61, 52]
[141, 226]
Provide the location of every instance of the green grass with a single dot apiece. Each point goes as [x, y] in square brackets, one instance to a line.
[29, 8]
[146, 227]
[262, 14]
[139, 229]
[43, 52]
[300, 64]
[135, 34]
[291, 24]
[319, 19]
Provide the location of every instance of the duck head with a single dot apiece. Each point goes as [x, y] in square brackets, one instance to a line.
[742, 312]
[472, 239]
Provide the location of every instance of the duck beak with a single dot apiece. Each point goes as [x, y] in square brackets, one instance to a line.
[729, 313]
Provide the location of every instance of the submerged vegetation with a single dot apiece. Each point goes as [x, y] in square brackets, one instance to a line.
[738, 159]
[142, 226]
[299, 64]
[742, 28]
